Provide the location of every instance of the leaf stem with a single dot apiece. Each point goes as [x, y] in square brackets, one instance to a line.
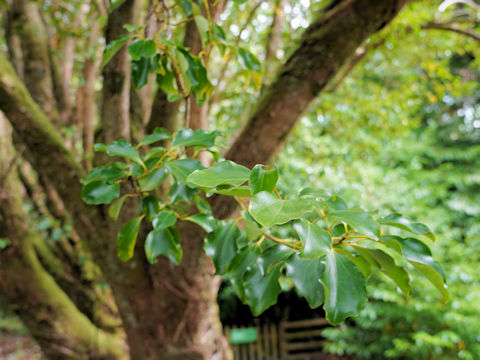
[286, 242]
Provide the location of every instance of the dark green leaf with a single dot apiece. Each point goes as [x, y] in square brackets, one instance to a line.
[158, 134]
[306, 277]
[268, 210]
[124, 149]
[100, 192]
[140, 70]
[400, 221]
[150, 206]
[316, 241]
[164, 219]
[112, 48]
[163, 242]
[127, 237]
[345, 288]
[182, 168]
[197, 75]
[225, 172]
[110, 172]
[142, 48]
[153, 180]
[181, 192]
[248, 60]
[263, 178]
[189, 137]
[274, 255]
[261, 291]
[361, 221]
[221, 245]
[242, 261]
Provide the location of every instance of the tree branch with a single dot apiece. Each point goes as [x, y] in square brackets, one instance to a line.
[440, 26]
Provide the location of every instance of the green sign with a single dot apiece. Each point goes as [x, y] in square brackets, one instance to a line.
[243, 336]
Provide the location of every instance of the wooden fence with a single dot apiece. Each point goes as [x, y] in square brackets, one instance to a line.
[288, 340]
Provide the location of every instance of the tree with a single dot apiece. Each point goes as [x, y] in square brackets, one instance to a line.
[160, 309]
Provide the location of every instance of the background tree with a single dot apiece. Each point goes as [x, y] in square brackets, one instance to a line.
[48, 47]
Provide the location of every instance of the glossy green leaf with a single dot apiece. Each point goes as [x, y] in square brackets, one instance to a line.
[189, 137]
[206, 222]
[181, 192]
[400, 221]
[435, 278]
[273, 255]
[225, 172]
[142, 48]
[163, 242]
[116, 206]
[248, 60]
[182, 168]
[100, 192]
[150, 206]
[158, 134]
[361, 221]
[250, 226]
[316, 241]
[387, 264]
[197, 74]
[112, 48]
[127, 237]
[243, 260]
[306, 277]
[364, 265]
[261, 291]
[153, 180]
[316, 193]
[269, 210]
[263, 178]
[141, 68]
[345, 288]
[221, 245]
[110, 172]
[164, 219]
[124, 149]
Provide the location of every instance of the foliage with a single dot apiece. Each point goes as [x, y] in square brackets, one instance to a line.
[274, 237]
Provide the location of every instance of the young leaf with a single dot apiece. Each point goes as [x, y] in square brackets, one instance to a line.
[361, 221]
[261, 291]
[100, 192]
[163, 242]
[127, 237]
[263, 178]
[142, 48]
[345, 288]
[158, 134]
[221, 245]
[225, 172]
[306, 277]
[189, 137]
[401, 222]
[315, 240]
[268, 210]
[112, 48]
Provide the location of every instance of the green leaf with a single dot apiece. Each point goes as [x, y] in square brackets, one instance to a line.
[306, 277]
[203, 28]
[221, 245]
[386, 263]
[158, 134]
[316, 241]
[261, 291]
[240, 191]
[155, 152]
[112, 48]
[206, 222]
[186, 6]
[164, 219]
[316, 193]
[197, 75]
[263, 178]
[127, 237]
[189, 137]
[418, 254]
[150, 206]
[345, 288]
[250, 226]
[142, 48]
[335, 203]
[110, 172]
[4, 242]
[116, 206]
[274, 255]
[100, 192]
[140, 70]
[153, 180]
[124, 149]
[182, 168]
[248, 60]
[163, 242]
[268, 210]
[364, 265]
[225, 172]
[401, 222]
[181, 192]
[237, 268]
[361, 221]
